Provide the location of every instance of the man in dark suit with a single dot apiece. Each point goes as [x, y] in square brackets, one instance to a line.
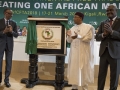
[8, 30]
[109, 35]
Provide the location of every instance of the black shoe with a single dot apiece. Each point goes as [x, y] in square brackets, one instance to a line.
[74, 89]
[7, 84]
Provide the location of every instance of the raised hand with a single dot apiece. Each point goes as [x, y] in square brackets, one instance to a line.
[107, 28]
[6, 30]
[105, 33]
[69, 32]
[10, 28]
[75, 36]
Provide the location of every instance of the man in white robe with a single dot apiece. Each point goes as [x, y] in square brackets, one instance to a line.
[81, 60]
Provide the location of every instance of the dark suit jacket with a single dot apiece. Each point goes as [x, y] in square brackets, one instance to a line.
[111, 41]
[8, 37]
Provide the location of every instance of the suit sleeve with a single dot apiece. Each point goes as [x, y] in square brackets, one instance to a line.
[1, 30]
[99, 36]
[15, 33]
[1, 33]
[116, 34]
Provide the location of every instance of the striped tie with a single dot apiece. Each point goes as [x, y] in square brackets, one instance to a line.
[7, 23]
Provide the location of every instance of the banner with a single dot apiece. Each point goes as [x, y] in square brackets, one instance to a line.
[94, 10]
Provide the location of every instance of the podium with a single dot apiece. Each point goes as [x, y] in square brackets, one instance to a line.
[51, 40]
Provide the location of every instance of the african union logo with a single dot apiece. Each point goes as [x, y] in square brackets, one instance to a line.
[47, 33]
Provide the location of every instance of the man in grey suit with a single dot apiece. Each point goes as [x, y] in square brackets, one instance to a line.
[109, 35]
[8, 30]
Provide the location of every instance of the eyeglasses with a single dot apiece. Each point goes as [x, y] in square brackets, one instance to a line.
[9, 13]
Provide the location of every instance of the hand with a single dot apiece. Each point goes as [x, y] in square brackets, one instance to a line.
[69, 32]
[105, 33]
[108, 28]
[75, 36]
[6, 30]
[10, 28]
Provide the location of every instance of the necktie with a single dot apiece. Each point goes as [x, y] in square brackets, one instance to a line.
[111, 22]
[7, 23]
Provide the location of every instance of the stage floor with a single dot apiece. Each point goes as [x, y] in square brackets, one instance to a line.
[46, 71]
[16, 85]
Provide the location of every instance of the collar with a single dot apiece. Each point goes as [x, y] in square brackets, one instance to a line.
[6, 20]
[113, 18]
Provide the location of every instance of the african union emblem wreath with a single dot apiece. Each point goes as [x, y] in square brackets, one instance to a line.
[47, 33]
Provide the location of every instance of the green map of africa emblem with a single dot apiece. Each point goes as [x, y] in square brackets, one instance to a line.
[47, 34]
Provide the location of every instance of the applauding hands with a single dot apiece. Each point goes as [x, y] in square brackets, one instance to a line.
[8, 29]
[69, 33]
[107, 29]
